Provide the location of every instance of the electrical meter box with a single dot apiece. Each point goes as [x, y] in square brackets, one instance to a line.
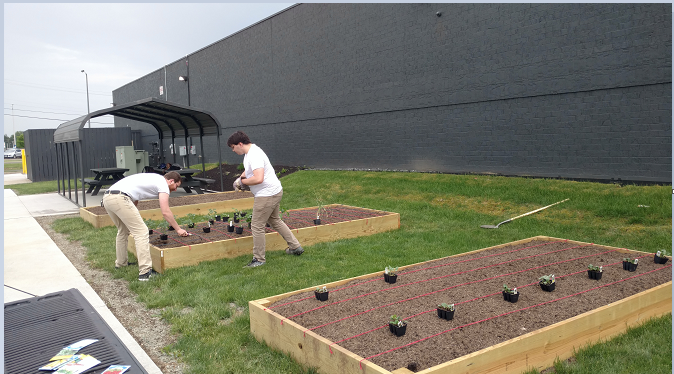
[132, 159]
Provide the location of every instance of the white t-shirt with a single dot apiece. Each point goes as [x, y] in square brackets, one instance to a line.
[142, 186]
[256, 159]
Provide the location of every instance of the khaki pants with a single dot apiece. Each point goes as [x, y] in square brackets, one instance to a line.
[266, 210]
[126, 217]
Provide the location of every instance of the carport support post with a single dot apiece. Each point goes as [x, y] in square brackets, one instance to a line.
[84, 191]
[70, 195]
[203, 159]
[75, 174]
[58, 169]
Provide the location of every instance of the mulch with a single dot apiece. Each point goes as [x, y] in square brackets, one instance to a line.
[356, 308]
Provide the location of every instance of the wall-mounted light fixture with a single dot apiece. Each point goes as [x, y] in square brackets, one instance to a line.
[182, 78]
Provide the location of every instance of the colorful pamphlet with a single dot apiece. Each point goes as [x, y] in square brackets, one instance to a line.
[80, 364]
[55, 365]
[116, 369]
[70, 350]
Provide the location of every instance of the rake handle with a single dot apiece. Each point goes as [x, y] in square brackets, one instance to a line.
[534, 211]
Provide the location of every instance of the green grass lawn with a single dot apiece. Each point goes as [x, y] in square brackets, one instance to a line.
[13, 165]
[440, 216]
[51, 186]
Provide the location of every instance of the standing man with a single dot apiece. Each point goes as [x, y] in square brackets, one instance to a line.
[121, 202]
[260, 177]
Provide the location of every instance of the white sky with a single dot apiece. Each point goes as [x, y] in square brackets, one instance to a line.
[46, 46]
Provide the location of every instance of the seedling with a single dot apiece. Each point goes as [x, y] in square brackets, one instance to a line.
[506, 289]
[595, 268]
[391, 271]
[396, 321]
[547, 279]
[447, 307]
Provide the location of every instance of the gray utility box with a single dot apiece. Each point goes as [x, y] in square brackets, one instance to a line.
[132, 159]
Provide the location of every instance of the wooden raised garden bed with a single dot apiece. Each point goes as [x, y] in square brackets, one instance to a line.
[341, 222]
[349, 333]
[180, 206]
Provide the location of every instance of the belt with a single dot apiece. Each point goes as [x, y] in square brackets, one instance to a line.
[115, 192]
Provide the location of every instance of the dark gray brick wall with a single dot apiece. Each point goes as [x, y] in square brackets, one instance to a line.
[570, 90]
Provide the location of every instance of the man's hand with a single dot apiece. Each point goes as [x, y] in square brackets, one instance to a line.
[182, 232]
[238, 186]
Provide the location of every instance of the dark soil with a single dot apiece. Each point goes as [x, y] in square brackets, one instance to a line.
[295, 219]
[474, 286]
[230, 173]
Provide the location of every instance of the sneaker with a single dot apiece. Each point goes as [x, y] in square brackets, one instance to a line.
[127, 264]
[148, 275]
[297, 251]
[254, 263]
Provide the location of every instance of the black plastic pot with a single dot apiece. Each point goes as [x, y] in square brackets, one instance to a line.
[230, 228]
[150, 231]
[548, 287]
[163, 236]
[171, 228]
[217, 218]
[445, 314]
[207, 229]
[660, 260]
[190, 225]
[243, 214]
[510, 297]
[390, 278]
[321, 296]
[225, 218]
[594, 274]
[239, 230]
[212, 221]
[397, 330]
[629, 266]
[317, 221]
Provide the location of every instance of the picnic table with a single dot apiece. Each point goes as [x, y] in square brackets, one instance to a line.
[190, 182]
[104, 177]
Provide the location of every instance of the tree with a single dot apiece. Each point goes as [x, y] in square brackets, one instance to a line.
[9, 141]
[19, 140]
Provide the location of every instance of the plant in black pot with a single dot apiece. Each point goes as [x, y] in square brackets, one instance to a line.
[446, 311]
[239, 229]
[660, 257]
[547, 282]
[230, 227]
[595, 272]
[190, 219]
[390, 274]
[207, 229]
[163, 225]
[237, 214]
[249, 220]
[321, 293]
[210, 216]
[320, 211]
[397, 326]
[630, 264]
[510, 294]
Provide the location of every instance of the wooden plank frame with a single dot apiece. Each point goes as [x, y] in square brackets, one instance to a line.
[246, 203]
[168, 258]
[537, 349]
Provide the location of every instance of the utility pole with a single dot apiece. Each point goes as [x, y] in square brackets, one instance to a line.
[13, 132]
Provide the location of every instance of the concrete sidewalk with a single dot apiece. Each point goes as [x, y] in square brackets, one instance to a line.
[34, 265]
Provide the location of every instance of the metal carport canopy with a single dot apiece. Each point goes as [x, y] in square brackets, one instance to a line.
[171, 120]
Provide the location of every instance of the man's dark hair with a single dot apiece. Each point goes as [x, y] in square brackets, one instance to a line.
[238, 137]
[173, 175]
